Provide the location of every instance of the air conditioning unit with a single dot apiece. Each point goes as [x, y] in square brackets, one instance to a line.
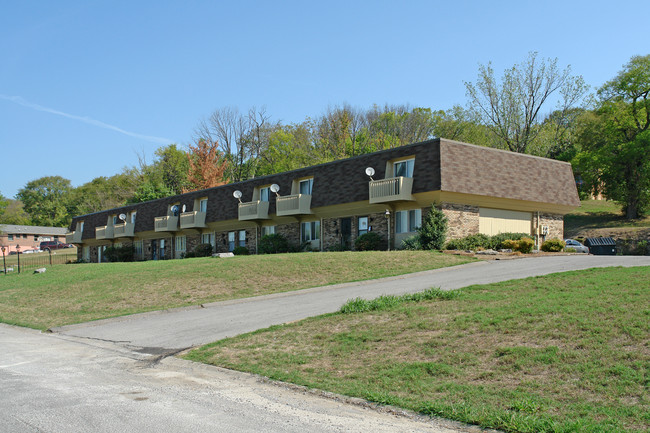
[545, 230]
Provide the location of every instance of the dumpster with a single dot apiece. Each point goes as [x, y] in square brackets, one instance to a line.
[601, 246]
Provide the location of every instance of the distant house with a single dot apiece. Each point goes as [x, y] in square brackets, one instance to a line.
[327, 206]
[28, 237]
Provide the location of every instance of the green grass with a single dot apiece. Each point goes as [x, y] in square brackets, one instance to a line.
[561, 353]
[68, 294]
[34, 260]
[599, 214]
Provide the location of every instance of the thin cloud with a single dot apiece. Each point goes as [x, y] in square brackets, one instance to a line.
[20, 101]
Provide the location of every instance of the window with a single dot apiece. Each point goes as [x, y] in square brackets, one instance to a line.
[114, 219]
[407, 221]
[10, 237]
[310, 231]
[25, 237]
[35, 238]
[242, 238]
[265, 193]
[404, 168]
[207, 238]
[363, 225]
[81, 226]
[231, 240]
[181, 243]
[268, 230]
[133, 214]
[306, 186]
[203, 205]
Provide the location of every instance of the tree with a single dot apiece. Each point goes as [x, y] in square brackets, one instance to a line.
[616, 140]
[208, 166]
[433, 232]
[14, 214]
[3, 205]
[47, 201]
[512, 107]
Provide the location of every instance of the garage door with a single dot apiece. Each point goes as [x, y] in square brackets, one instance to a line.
[495, 221]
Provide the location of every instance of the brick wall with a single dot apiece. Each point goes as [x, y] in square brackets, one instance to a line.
[463, 220]
[555, 225]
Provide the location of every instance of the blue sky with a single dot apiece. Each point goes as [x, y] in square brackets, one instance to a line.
[86, 86]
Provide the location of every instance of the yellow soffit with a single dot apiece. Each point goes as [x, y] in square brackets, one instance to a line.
[426, 198]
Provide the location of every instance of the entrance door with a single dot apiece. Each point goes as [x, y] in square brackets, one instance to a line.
[154, 250]
[346, 231]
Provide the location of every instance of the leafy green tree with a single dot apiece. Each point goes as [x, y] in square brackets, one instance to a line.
[3, 205]
[104, 192]
[15, 214]
[616, 139]
[512, 107]
[173, 166]
[47, 201]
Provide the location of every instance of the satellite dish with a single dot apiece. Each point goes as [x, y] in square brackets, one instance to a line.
[184, 208]
[275, 188]
[370, 171]
[237, 194]
[175, 210]
[123, 217]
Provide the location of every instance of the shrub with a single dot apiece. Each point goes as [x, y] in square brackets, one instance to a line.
[496, 241]
[412, 243]
[480, 241]
[368, 242]
[525, 245]
[273, 244]
[201, 250]
[553, 245]
[240, 251]
[124, 253]
[433, 232]
[338, 247]
[509, 244]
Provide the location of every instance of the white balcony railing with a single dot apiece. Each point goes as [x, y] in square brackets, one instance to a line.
[391, 189]
[295, 204]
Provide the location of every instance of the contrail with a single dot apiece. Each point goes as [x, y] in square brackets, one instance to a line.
[20, 101]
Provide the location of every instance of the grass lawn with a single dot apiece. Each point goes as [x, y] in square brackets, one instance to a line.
[68, 294]
[37, 260]
[567, 352]
[599, 214]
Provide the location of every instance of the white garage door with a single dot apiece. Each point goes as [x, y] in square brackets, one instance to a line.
[495, 221]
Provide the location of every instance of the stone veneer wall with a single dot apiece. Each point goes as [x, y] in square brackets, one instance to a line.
[463, 220]
[555, 225]
[332, 230]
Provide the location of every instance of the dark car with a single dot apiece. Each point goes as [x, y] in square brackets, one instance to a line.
[53, 245]
[570, 243]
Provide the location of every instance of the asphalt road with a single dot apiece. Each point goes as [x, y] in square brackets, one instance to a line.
[183, 328]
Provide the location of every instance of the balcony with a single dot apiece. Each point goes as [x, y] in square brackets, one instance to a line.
[295, 204]
[104, 232]
[254, 210]
[391, 189]
[74, 237]
[124, 230]
[192, 220]
[167, 223]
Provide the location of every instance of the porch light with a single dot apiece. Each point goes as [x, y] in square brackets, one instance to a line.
[370, 172]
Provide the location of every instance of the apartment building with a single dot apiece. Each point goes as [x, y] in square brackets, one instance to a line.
[28, 238]
[481, 190]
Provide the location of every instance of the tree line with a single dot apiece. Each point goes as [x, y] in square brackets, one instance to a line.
[534, 107]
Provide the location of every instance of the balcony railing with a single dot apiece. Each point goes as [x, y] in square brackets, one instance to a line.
[191, 220]
[254, 210]
[167, 223]
[104, 232]
[295, 204]
[74, 237]
[391, 189]
[124, 230]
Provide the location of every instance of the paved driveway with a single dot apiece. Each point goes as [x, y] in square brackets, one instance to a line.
[182, 328]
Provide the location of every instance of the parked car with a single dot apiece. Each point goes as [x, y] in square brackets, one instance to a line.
[53, 245]
[571, 243]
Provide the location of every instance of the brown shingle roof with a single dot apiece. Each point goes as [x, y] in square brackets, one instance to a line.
[466, 168]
